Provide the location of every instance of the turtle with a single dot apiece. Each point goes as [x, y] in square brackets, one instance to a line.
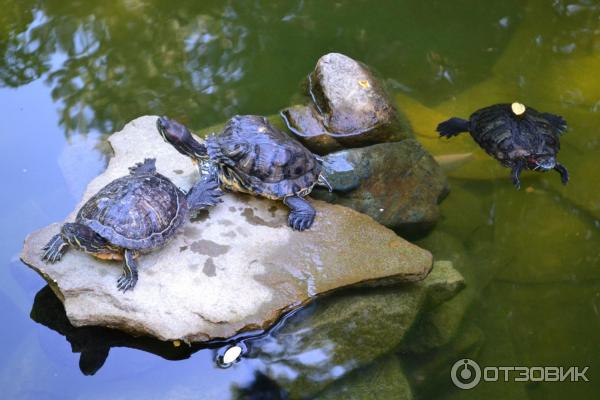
[252, 156]
[134, 214]
[519, 137]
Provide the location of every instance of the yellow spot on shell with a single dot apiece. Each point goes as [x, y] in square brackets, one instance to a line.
[364, 83]
[517, 108]
[176, 343]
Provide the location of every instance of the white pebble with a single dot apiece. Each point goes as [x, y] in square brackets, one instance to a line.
[231, 354]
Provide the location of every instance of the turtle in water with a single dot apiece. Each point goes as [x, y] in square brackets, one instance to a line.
[252, 156]
[133, 214]
[518, 137]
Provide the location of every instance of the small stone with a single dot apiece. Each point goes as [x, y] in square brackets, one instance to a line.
[232, 354]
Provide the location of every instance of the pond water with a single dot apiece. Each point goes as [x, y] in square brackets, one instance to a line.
[72, 72]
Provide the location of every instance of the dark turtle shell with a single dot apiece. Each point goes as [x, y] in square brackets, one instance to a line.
[140, 211]
[255, 157]
[507, 136]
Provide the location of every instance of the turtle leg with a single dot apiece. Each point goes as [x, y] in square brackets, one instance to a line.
[204, 193]
[54, 249]
[516, 173]
[130, 271]
[302, 215]
[564, 174]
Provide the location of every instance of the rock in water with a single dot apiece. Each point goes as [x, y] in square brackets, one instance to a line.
[239, 267]
[349, 108]
[398, 184]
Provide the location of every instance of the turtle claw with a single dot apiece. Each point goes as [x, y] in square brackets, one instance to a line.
[126, 282]
[54, 249]
[300, 221]
[302, 214]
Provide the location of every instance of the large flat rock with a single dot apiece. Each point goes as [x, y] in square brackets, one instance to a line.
[235, 268]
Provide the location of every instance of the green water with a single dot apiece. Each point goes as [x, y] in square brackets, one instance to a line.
[71, 72]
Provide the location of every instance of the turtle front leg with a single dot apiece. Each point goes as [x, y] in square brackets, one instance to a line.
[516, 173]
[55, 249]
[204, 194]
[302, 215]
[564, 174]
[130, 271]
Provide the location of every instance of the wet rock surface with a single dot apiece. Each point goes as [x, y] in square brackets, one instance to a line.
[398, 184]
[349, 108]
[235, 268]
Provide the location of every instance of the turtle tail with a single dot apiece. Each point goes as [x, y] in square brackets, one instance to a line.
[453, 127]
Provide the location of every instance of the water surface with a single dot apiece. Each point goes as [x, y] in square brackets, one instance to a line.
[72, 72]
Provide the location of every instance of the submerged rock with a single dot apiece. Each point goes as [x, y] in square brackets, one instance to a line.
[383, 379]
[235, 268]
[349, 108]
[345, 332]
[398, 184]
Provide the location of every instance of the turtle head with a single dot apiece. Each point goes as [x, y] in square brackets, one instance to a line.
[178, 136]
[541, 162]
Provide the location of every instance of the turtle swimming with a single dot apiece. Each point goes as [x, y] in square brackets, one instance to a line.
[519, 137]
[133, 214]
[251, 156]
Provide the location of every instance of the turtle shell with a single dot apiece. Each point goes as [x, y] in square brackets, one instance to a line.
[257, 158]
[140, 211]
[507, 136]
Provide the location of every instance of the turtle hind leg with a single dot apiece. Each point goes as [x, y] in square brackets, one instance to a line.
[54, 249]
[516, 173]
[453, 127]
[130, 271]
[564, 173]
[302, 215]
[204, 194]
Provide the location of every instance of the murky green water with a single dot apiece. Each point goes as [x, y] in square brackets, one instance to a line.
[71, 72]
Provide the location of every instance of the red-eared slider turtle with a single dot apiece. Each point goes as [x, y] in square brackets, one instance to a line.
[252, 156]
[132, 214]
[517, 136]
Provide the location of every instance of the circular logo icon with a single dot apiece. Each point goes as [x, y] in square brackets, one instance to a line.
[465, 374]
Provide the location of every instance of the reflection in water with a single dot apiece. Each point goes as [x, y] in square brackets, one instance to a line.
[201, 62]
[261, 388]
[302, 354]
[94, 343]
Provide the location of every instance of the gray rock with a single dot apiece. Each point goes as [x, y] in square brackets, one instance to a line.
[398, 184]
[349, 331]
[235, 268]
[383, 379]
[350, 108]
